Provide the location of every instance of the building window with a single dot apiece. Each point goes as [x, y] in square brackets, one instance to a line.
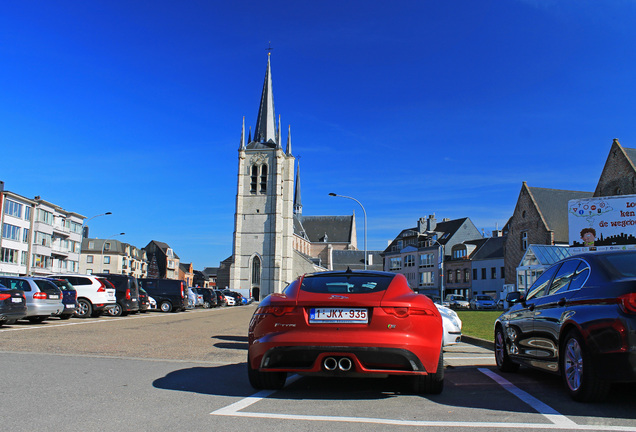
[254, 179]
[493, 273]
[43, 239]
[395, 263]
[483, 273]
[91, 245]
[458, 275]
[27, 213]
[426, 279]
[459, 253]
[107, 246]
[449, 276]
[256, 272]
[106, 260]
[426, 260]
[9, 256]
[264, 179]
[524, 240]
[503, 272]
[44, 216]
[466, 275]
[24, 259]
[409, 261]
[10, 232]
[13, 208]
[42, 261]
[89, 259]
[25, 235]
[474, 274]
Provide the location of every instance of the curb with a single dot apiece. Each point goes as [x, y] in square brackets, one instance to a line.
[479, 342]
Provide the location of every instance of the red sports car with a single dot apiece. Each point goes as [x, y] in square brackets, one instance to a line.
[353, 324]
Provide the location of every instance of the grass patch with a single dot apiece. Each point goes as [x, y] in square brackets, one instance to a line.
[480, 324]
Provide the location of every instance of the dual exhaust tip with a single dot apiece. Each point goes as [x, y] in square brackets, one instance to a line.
[343, 363]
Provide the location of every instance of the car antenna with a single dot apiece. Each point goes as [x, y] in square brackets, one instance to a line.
[349, 270]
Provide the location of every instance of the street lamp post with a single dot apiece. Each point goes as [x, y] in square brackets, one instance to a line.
[93, 217]
[365, 224]
[101, 266]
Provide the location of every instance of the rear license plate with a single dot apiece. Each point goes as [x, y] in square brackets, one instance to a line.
[54, 297]
[338, 315]
[111, 297]
[69, 306]
[16, 300]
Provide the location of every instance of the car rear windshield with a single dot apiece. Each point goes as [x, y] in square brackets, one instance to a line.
[340, 284]
[46, 286]
[620, 265]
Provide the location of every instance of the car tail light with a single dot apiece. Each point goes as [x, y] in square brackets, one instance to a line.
[102, 287]
[40, 295]
[403, 312]
[4, 296]
[128, 294]
[275, 310]
[182, 291]
[628, 302]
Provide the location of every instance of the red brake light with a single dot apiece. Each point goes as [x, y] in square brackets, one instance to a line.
[4, 296]
[628, 302]
[40, 295]
[275, 310]
[102, 287]
[403, 312]
[128, 294]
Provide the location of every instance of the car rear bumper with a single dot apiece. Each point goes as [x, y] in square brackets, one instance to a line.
[10, 315]
[44, 309]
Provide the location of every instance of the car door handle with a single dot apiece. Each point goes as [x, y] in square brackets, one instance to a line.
[562, 302]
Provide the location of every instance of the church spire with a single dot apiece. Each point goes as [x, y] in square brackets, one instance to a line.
[266, 119]
[242, 146]
[288, 151]
[298, 205]
[278, 134]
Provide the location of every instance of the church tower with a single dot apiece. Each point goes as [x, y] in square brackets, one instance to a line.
[263, 221]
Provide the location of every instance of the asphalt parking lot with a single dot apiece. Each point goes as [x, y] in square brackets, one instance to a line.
[187, 371]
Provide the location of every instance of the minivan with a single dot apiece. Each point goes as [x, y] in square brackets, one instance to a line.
[126, 293]
[171, 295]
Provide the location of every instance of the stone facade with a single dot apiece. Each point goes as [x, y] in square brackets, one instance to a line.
[619, 174]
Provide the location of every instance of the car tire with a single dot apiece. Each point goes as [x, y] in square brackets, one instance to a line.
[432, 383]
[578, 372]
[165, 306]
[116, 311]
[504, 363]
[65, 316]
[84, 309]
[265, 380]
[36, 319]
[207, 305]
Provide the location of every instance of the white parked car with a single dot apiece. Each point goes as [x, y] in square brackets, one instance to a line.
[452, 325]
[153, 303]
[95, 294]
[231, 301]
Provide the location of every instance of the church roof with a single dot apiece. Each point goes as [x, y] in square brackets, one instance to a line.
[325, 229]
[553, 206]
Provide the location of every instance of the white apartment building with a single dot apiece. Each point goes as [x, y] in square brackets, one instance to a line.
[38, 237]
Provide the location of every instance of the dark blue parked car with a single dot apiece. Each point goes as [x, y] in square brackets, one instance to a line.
[69, 297]
[12, 305]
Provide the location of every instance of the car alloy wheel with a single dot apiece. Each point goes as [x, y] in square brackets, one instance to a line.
[84, 308]
[166, 306]
[501, 353]
[207, 305]
[578, 373]
[116, 311]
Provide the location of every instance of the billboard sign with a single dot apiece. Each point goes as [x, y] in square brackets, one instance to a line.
[602, 223]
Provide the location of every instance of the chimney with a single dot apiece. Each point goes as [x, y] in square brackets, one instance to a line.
[496, 233]
[1, 186]
[421, 225]
[431, 223]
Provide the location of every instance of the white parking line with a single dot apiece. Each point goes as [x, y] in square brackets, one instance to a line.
[550, 413]
[557, 420]
[107, 320]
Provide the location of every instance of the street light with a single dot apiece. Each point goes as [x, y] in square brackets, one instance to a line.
[101, 266]
[93, 217]
[365, 224]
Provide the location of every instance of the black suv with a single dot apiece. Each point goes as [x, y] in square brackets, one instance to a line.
[170, 294]
[126, 293]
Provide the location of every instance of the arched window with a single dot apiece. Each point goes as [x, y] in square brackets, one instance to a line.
[264, 179]
[254, 179]
[256, 271]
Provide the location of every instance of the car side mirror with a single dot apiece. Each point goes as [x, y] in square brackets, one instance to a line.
[513, 297]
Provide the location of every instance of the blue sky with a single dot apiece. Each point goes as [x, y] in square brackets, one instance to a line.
[412, 107]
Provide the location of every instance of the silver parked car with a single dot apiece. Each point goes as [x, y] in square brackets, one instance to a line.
[482, 301]
[43, 297]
